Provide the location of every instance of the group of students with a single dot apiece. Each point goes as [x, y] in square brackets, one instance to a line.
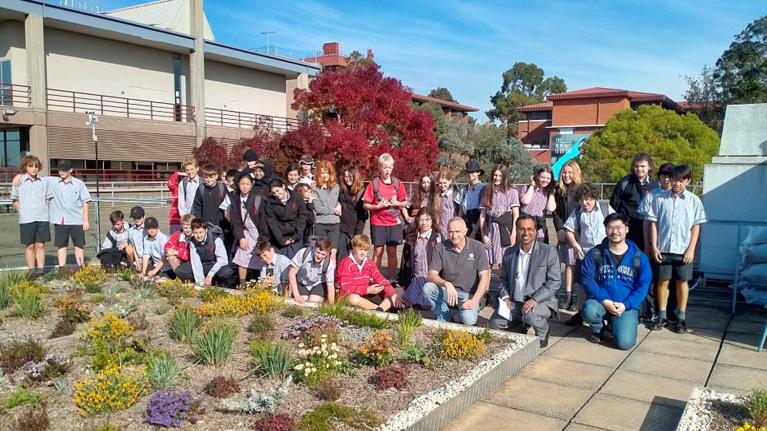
[303, 231]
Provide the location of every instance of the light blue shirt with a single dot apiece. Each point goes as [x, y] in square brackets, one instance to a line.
[186, 197]
[155, 248]
[68, 199]
[121, 238]
[472, 196]
[675, 217]
[136, 238]
[644, 206]
[310, 272]
[588, 227]
[33, 195]
[279, 267]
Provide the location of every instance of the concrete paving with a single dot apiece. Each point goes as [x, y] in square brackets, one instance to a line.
[575, 385]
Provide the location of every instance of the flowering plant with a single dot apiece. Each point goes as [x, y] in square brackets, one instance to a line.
[53, 365]
[317, 362]
[169, 409]
[72, 308]
[378, 349]
[113, 388]
[253, 300]
[108, 329]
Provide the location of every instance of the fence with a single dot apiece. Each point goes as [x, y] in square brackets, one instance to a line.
[14, 95]
[75, 101]
[249, 120]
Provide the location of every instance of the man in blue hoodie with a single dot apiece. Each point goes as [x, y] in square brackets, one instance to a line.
[616, 276]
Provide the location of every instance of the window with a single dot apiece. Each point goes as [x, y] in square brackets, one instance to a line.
[13, 142]
[540, 115]
[6, 92]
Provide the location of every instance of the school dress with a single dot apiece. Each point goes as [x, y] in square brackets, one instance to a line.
[503, 202]
[247, 258]
[566, 203]
[536, 208]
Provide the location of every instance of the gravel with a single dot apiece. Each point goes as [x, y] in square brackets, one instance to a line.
[709, 410]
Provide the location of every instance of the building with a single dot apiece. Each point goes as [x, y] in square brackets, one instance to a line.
[153, 73]
[550, 128]
[332, 58]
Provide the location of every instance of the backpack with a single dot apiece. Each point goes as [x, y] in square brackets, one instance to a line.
[598, 259]
[377, 194]
[310, 252]
[603, 205]
[112, 257]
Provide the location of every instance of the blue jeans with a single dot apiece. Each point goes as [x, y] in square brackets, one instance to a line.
[437, 297]
[624, 326]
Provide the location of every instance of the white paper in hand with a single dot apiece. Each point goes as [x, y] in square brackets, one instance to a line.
[503, 309]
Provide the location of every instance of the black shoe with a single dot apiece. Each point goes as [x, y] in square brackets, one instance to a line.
[565, 302]
[680, 327]
[572, 306]
[648, 318]
[596, 337]
[545, 342]
[657, 324]
[523, 329]
[576, 320]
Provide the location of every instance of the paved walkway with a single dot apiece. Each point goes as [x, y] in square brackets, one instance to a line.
[576, 385]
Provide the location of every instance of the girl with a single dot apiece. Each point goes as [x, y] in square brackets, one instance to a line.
[569, 181]
[246, 216]
[418, 248]
[538, 198]
[447, 201]
[285, 214]
[326, 207]
[423, 196]
[292, 175]
[262, 176]
[499, 207]
[353, 215]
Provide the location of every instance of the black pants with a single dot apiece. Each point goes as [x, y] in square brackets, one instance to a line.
[224, 276]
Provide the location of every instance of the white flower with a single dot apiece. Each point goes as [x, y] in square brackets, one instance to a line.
[327, 365]
[300, 345]
[333, 356]
[299, 367]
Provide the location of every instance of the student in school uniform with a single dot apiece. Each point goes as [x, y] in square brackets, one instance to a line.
[136, 233]
[353, 214]
[187, 189]
[538, 198]
[69, 212]
[154, 262]
[448, 200]
[276, 267]
[312, 273]
[177, 247]
[208, 261]
[246, 215]
[307, 165]
[286, 217]
[470, 196]
[207, 203]
[327, 209]
[30, 199]
[116, 250]
[497, 221]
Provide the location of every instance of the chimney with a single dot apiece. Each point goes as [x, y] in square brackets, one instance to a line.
[331, 48]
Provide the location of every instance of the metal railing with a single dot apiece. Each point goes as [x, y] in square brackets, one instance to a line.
[249, 120]
[75, 101]
[15, 95]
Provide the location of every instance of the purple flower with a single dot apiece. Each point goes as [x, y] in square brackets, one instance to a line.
[298, 327]
[169, 409]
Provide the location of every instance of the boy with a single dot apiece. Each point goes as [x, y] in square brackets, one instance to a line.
[276, 266]
[188, 188]
[361, 282]
[177, 247]
[30, 199]
[116, 250]
[675, 217]
[153, 260]
[307, 164]
[305, 191]
[69, 212]
[386, 199]
[470, 195]
[312, 273]
[208, 260]
[207, 203]
[136, 234]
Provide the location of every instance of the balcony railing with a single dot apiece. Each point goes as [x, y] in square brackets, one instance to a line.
[15, 95]
[74, 101]
[249, 120]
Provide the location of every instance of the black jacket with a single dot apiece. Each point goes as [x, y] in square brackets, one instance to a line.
[628, 194]
[206, 204]
[407, 266]
[563, 210]
[353, 214]
[255, 212]
[285, 220]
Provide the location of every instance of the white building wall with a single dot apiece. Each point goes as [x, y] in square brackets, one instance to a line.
[12, 47]
[237, 88]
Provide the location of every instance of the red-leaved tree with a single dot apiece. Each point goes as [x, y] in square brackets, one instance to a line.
[211, 151]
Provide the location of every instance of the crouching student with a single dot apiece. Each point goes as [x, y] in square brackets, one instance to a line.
[153, 261]
[177, 247]
[208, 262]
[116, 250]
[276, 267]
[312, 273]
[360, 281]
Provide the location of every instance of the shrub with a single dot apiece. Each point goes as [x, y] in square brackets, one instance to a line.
[122, 354]
[261, 301]
[184, 324]
[169, 409]
[322, 417]
[259, 402]
[162, 370]
[261, 325]
[461, 345]
[211, 294]
[14, 355]
[72, 308]
[271, 358]
[138, 321]
[161, 309]
[8, 279]
[318, 362]
[91, 277]
[108, 329]
[377, 349]
[63, 328]
[175, 290]
[21, 397]
[299, 328]
[111, 389]
[392, 377]
[277, 422]
[52, 366]
[486, 336]
[408, 322]
[352, 316]
[126, 274]
[222, 387]
[328, 389]
[292, 311]
[214, 345]
[28, 299]
[33, 419]
[757, 407]
[416, 355]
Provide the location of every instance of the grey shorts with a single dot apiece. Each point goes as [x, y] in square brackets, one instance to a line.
[318, 290]
[386, 235]
[35, 232]
[673, 268]
[566, 253]
[62, 233]
[330, 231]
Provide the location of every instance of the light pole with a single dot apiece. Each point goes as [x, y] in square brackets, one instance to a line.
[92, 121]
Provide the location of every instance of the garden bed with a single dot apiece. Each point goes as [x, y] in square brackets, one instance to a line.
[709, 410]
[312, 366]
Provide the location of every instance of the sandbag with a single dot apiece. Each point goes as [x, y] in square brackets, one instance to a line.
[756, 295]
[757, 235]
[754, 255]
[755, 274]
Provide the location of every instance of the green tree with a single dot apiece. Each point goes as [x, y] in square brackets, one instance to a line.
[442, 93]
[455, 145]
[492, 146]
[357, 59]
[523, 84]
[741, 71]
[668, 136]
[703, 94]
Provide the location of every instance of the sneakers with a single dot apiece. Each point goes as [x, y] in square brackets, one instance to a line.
[657, 324]
[596, 337]
[545, 342]
[680, 326]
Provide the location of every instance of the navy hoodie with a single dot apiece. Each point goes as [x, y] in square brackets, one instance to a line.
[617, 282]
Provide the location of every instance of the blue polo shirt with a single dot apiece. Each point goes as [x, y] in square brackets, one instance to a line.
[68, 199]
[33, 195]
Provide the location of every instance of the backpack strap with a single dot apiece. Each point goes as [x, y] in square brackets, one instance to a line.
[221, 189]
[309, 253]
[112, 239]
[636, 262]
[184, 182]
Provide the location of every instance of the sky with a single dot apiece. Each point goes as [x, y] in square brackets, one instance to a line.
[643, 45]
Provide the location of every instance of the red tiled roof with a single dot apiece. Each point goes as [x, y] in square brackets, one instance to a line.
[544, 106]
[445, 104]
[598, 92]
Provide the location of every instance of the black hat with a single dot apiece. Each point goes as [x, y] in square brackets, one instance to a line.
[306, 159]
[473, 166]
[64, 165]
[666, 169]
[136, 212]
[250, 155]
[151, 222]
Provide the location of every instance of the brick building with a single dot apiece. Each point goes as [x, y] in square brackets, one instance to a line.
[550, 128]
